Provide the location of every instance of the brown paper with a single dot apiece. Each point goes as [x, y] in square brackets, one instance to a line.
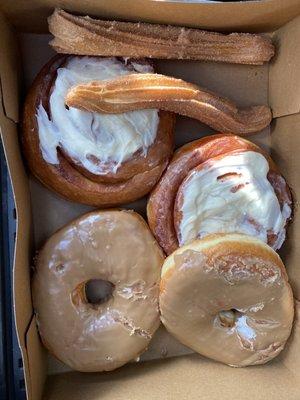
[250, 16]
[165, 377]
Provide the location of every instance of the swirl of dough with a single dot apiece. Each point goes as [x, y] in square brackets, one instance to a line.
[219, 184]
[89, 157]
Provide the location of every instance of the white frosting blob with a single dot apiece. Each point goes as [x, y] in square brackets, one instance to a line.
[112, 139]
[211, 205]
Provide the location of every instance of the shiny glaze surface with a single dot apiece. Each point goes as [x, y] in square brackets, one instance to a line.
[115, 246]
[231, 273]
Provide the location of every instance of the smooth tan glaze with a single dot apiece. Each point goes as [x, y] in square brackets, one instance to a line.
[228, 298]
[116, 250]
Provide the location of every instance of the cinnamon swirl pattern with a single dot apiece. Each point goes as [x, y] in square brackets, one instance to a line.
[92, 158]
[220, 184]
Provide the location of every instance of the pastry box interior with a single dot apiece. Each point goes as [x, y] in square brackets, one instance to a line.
[168, 369]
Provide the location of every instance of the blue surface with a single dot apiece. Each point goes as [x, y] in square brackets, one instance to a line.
[12, 385]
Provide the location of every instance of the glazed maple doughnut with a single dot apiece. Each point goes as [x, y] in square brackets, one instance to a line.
[227, 297]
[219, 184]
[89, 157]
[117, 249]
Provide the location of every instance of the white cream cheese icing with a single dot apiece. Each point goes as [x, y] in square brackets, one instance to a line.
[112, 139]
[229, 195]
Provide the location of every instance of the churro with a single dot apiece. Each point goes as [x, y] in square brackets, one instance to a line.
[148, 91]
[87, 36]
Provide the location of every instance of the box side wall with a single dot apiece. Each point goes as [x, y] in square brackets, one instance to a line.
[291, 355]
[9, 70]
[284, 99]
[37, 362]
[264, 15]
[285, 152]
[9, 106]
[284, 76]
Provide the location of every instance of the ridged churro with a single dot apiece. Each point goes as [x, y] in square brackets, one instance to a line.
[87, 36]
[148, 91]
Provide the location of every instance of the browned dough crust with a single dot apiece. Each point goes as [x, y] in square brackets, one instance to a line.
[144, 91]
[87, 36]
[133, 180]
[160, 208]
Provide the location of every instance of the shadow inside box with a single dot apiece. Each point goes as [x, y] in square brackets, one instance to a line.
[104, 382]
[285, 251]
[188, 130]
[151, 380]
[74, 380]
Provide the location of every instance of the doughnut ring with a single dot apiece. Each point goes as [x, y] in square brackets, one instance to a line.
[115, 250]
[227, 297]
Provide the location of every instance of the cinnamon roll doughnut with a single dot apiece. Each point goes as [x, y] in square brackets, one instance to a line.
[219, 184]
[228, 298]
[116, 252]
[92, 158]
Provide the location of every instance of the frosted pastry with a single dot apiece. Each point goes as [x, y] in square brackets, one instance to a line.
[227, 297]
[92, 158]
[220, 184]
[117, 250]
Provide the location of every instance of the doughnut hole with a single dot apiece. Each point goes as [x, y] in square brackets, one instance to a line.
[93, 292]
[98, 291]
[227, 318]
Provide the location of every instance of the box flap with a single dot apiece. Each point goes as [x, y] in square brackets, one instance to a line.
[264, 15]
[9, 76]
[284, 78]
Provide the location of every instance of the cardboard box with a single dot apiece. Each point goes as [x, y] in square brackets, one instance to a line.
[40, 212]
